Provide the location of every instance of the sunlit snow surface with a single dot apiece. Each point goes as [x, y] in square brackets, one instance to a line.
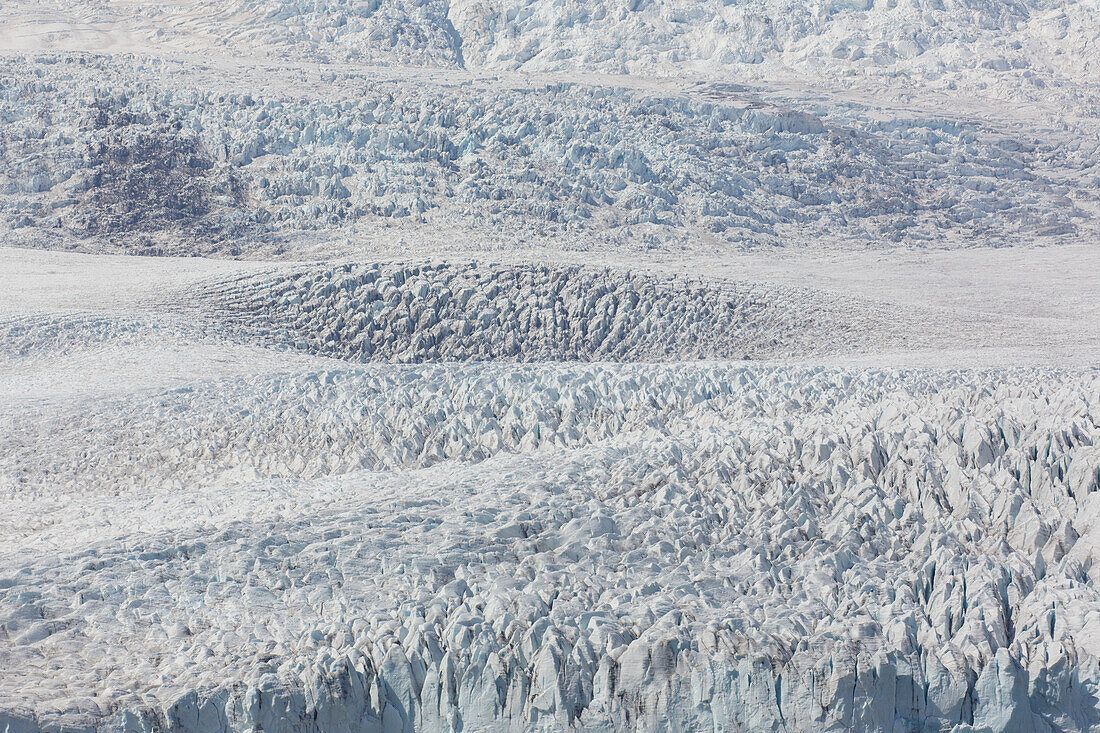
[549, 366]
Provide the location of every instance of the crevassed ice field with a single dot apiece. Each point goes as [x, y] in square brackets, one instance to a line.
[509, 365]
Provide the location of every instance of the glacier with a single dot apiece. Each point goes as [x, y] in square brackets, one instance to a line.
[451, 365]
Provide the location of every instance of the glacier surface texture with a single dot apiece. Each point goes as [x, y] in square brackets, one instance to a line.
[543, 365]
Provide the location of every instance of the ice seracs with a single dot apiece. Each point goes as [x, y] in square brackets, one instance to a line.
[629, 365]
[741, 548]
[159, 163]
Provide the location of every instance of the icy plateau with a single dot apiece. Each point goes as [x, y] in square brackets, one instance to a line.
[543, 365]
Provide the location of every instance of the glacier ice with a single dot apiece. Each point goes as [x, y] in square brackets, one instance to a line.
[646, 546]
[619, 365]
[127, 161]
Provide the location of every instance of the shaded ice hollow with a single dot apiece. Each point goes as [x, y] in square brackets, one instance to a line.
[413, 365]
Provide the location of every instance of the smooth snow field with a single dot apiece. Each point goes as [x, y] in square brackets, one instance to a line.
[628, 365]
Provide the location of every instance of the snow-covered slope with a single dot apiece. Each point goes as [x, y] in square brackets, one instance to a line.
[926, 38]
